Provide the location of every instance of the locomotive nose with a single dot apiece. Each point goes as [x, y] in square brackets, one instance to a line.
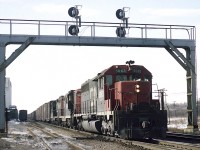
[145, 124]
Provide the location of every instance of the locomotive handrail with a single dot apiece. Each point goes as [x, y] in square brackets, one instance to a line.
[41, 27]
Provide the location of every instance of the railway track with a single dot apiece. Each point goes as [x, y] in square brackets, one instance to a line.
[46, 136]
[160, 144]
[179, 145]
[181, 141]
[51, 141]
[146, 144]
[184, 136]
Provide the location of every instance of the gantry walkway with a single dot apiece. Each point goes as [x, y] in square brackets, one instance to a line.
[48, 32]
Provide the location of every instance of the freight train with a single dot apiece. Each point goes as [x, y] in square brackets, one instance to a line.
[118, 102]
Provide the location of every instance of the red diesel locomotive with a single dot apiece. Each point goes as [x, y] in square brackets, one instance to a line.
[117, 102]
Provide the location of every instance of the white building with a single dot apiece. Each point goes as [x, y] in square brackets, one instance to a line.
[8, 93]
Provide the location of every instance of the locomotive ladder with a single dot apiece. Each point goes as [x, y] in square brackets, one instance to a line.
[170, 37]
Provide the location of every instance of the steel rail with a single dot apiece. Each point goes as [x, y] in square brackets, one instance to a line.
[30, 129]
[184, 136]
[146, 144]
[55, 135]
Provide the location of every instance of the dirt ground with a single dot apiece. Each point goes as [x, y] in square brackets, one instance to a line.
[17, 138]
[5, 145]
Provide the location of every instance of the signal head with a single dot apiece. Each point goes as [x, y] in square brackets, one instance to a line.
[73, 30]
[73, 12]
[120, 14]
[121, 32]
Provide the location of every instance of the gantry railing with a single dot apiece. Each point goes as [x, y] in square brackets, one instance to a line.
[95, 29]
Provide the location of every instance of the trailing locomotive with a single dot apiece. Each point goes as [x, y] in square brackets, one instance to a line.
[117, 102]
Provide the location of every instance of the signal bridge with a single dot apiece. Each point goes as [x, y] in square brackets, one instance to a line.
[124, 34]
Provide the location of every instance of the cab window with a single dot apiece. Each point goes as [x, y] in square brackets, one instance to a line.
[147, 78]
[101, 83]
[121, 78]
[109, 80]
[135, 77]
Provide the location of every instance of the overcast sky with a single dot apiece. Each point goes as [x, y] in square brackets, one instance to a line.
[43, 73]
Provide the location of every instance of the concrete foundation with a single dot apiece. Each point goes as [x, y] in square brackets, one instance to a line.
[191, 130]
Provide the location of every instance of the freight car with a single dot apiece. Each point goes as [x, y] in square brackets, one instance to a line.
[32, 116]
[12, 113]
[116, 102]
[22, 115]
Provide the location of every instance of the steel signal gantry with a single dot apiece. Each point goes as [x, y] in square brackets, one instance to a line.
[96, 38]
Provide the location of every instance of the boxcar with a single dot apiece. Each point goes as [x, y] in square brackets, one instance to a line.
[23, 115]
[12, 113]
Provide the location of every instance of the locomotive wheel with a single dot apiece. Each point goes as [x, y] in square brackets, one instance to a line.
[123, 134]
[103, 130]
[110, 131]
[150, 139]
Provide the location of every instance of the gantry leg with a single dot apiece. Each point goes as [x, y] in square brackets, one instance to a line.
[188, 63]
[2, 90]
[3, 64]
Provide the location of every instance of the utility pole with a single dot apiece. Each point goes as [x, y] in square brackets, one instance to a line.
[175, 108]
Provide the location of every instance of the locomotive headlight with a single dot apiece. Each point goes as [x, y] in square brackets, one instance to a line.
[137, 88]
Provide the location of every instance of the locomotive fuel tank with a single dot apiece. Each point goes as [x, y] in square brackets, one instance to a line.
[92, 126]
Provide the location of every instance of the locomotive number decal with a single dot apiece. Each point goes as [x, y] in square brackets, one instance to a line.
[119, 70]
[136, 70]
